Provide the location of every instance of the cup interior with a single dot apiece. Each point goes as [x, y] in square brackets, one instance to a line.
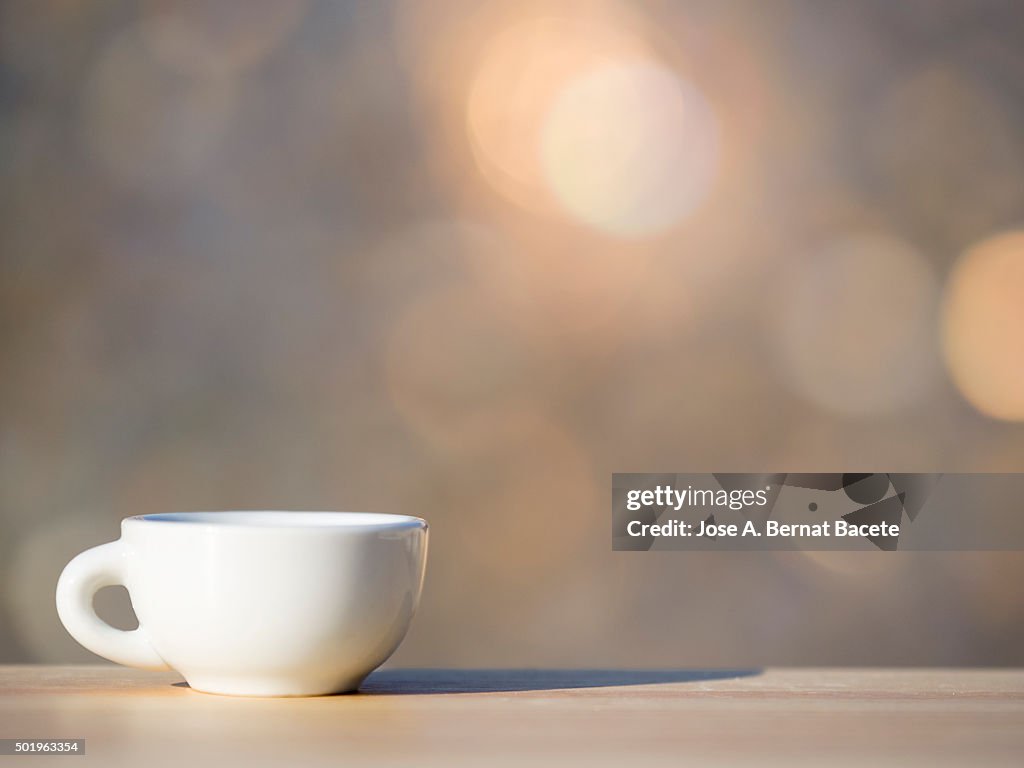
[283, 519]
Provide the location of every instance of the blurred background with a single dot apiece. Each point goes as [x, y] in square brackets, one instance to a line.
[464, 260]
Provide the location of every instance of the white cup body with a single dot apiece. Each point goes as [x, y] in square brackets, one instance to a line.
[272, 603]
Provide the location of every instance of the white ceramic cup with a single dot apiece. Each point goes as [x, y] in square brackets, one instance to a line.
[254, 603]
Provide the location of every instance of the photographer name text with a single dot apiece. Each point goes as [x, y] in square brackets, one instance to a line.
[770, 529]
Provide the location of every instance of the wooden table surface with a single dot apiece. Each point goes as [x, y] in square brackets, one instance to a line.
[538, 717]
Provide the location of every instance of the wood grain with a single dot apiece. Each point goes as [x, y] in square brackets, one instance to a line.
[545, 717]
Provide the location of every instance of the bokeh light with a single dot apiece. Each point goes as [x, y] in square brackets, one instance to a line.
[983, 326]
[577, 112]
[630, 148]
[855, 324]
[520, 72]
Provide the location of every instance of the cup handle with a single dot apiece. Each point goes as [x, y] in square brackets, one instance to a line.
[83, 577]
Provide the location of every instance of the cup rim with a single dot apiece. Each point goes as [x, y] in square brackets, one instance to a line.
[291, 520]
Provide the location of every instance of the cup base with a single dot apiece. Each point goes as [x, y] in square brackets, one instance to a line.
[271, 687]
